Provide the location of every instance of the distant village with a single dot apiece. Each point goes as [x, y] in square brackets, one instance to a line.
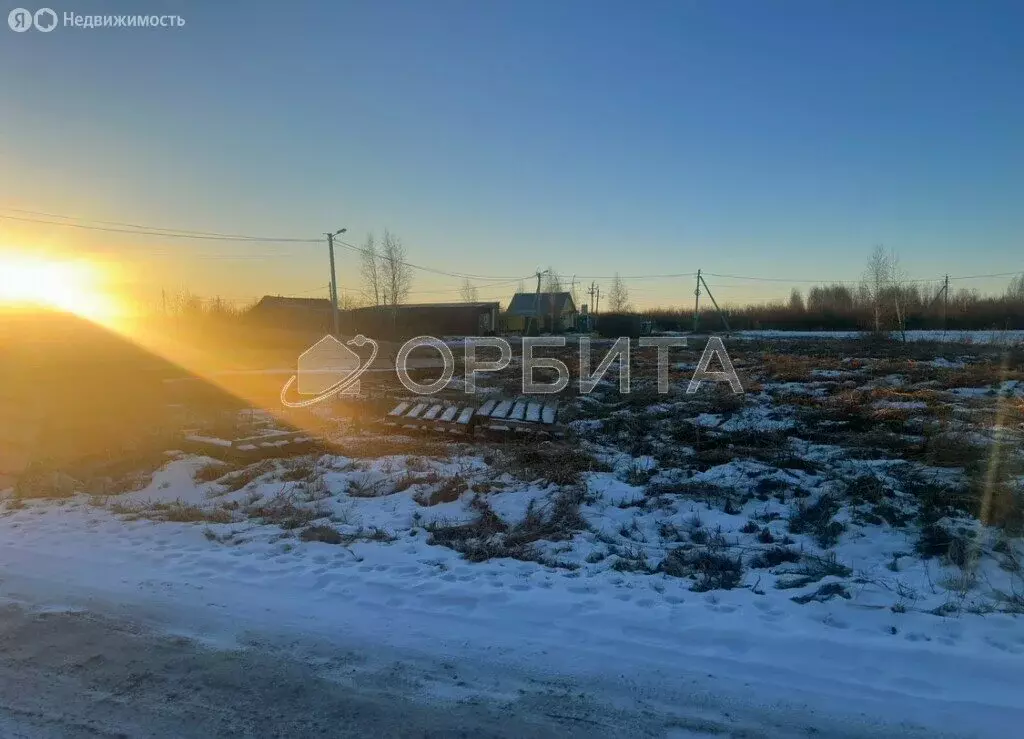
[526, 314]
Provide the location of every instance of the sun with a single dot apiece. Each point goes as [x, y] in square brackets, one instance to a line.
[72, 286]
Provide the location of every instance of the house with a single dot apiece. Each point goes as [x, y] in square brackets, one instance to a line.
[293, 313]
[379, 322]
[423, 319]
[532, 313]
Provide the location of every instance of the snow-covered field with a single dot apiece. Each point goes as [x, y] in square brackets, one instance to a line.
[806, 558]
[999, 338]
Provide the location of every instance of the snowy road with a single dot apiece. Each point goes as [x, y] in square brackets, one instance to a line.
[74, 674]
[304, 642]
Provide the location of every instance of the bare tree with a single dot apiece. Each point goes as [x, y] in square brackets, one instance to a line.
[469, 292]
[874, 283]
[837, 298]
[618, 296]
[396, 274]
[796, 301]
[900, 292]
[573, 292]
[552, 286]
[373, 287]
[552, 281]
[1015, 292]
[347, 301]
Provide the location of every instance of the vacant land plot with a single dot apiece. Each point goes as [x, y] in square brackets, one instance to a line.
[868, 487]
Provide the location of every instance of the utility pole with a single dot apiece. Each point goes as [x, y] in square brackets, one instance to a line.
[536, 304]
[696, 303]
[725, 321]
[334, 279]
[945, 301]
[597, 309]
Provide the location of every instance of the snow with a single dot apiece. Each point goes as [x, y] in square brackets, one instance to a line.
[175, 482]
[601, 629]
[208, 440]
[1008, 338]
[906, 405]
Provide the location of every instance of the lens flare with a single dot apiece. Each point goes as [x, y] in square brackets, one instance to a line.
[73, 286]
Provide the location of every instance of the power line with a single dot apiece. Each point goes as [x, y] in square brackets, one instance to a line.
[138, 230]
[979, 277]
[816, 282]
[141, 230]
[169, 233]
[660, 276]
[460, 275]
[857, 282]
[182, 231]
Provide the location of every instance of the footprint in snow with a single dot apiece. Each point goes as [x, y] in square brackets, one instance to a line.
[1002, 645]
[585, 605]
[722, 609]
[834, 622]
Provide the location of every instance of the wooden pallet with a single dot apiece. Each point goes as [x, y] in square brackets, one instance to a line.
[501, 414]
[278, 444]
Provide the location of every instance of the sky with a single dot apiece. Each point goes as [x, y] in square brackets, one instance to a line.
[775, 139]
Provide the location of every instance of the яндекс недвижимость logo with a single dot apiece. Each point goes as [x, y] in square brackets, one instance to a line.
[21, 20]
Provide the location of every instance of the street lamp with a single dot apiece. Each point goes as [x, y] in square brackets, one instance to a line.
[334, 277]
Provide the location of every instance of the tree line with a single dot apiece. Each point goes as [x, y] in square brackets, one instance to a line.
[883, 300]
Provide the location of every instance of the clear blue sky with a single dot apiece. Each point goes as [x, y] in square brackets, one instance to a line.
[780, 139]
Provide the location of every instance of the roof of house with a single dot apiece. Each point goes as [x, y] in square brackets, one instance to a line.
[417, 306]
[318, 304]
[525, 304]
[280, 301]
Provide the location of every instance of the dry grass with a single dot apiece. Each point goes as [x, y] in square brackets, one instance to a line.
[241, 478]
[487, 536]
[450, 490]
[557, 463]
[953, 450]
[177, 511]
[711, 570]
[283, 510]
[796, 368]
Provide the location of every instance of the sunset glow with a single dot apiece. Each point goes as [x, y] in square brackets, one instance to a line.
[73, 286]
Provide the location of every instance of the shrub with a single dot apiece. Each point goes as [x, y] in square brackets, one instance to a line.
[953, 450]
[712, 570]
[321, 532]
[816, 519]
[556, 463]
[450, 490]
[774, 557]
